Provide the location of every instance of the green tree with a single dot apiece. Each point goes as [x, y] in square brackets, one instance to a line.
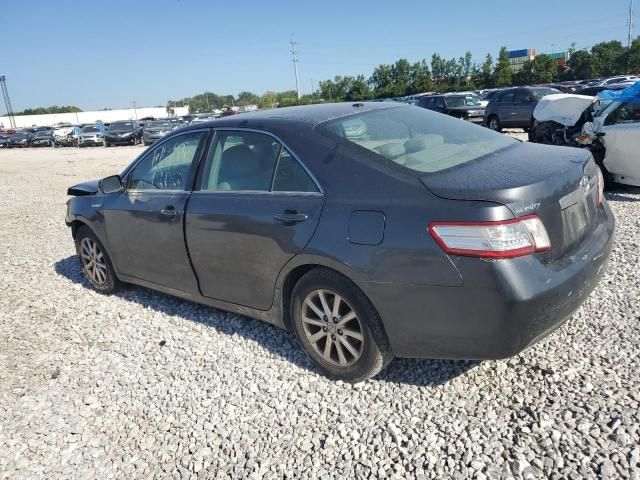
[52, 109]
[358, 89]
[542, 69]
[381, 81]
[401, 77]
[247, 98]
[268, 99]
[419, 78]
[633, 57]
[502, 73]
[486, 74]
[581, 66]
[609, 58]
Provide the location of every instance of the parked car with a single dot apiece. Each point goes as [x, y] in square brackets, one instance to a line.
[20, 139]
[155, 130]
[513, 107]
[123, 133]
[92, 135]
[66, 136]
[595, 90]
[4, 139]
[371, 229]
[618, 79]
[608, 126]
[43, 138]
[466, 107]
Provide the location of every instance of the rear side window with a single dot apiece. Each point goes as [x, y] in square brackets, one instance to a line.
[416, 138]
[250, 161]
[291, 177]
[241, 161]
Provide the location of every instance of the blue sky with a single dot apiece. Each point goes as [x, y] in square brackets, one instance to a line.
[109, 53]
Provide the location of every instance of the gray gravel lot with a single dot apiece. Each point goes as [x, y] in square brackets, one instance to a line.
[143, 385]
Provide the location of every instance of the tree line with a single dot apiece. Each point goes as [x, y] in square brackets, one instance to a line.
[45, 110]
[439, 74]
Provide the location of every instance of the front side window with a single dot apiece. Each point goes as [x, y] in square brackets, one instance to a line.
[507, 97]
[416, 138]
[167, 166]
[625, 113]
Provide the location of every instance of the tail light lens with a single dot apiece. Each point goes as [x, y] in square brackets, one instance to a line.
[502, 239]
[600, 187]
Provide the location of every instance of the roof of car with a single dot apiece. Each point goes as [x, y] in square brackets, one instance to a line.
[309, 114]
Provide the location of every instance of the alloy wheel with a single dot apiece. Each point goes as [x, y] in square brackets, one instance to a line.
[493, 124]
[93, 261]
[332, 328]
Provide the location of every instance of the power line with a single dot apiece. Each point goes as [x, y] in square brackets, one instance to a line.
[295, 63]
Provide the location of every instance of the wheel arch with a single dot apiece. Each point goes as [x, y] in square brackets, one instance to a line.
[295, 274]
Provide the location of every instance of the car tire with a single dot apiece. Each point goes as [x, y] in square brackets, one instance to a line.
[107, 144]
[354, 356]
[494, 123]
[95, 262]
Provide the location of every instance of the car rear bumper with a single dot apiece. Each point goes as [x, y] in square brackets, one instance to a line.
[503, 306]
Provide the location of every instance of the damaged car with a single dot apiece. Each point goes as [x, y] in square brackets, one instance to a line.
[608, 125]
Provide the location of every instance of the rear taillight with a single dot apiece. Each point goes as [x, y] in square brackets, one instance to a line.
[600, 188]
[502, 239]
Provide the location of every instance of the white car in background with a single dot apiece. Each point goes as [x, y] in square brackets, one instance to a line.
[609, 125]
[617, 129]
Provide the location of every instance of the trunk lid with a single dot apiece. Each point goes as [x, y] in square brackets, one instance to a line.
[558, 184]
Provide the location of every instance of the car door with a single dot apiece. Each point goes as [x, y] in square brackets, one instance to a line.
[621, 141]
[506, 108]
[144, 223]
[523, 108]
[256, 207]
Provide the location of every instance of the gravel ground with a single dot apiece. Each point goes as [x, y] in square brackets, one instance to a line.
[143, 385]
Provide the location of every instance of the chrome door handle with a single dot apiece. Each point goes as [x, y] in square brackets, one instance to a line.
[291, 217]
[169, 212]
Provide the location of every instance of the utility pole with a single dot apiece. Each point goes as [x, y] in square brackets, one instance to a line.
[7, 102]
[134, 109]
[630, 35]
[295, 63]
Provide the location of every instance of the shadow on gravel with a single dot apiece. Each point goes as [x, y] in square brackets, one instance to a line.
[280, 342]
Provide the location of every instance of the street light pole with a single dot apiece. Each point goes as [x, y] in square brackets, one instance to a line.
[134, 110]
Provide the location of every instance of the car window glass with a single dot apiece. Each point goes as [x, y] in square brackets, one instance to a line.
[241, 161]
[166, 167]
[416, 138]
[291, 176]
[440, 103]
[507, 97]
[625, 113]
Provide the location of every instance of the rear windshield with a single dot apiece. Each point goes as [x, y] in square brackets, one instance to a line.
[90, 129]
[417, 138]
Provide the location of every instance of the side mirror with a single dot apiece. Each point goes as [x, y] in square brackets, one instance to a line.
[111, 184]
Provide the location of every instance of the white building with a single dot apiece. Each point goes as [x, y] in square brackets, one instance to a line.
[106, 116]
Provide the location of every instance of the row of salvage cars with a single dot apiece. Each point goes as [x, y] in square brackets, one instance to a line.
[608, 125]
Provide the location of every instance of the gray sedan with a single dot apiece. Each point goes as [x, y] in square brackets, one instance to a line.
[155, 130]
[372, 230]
